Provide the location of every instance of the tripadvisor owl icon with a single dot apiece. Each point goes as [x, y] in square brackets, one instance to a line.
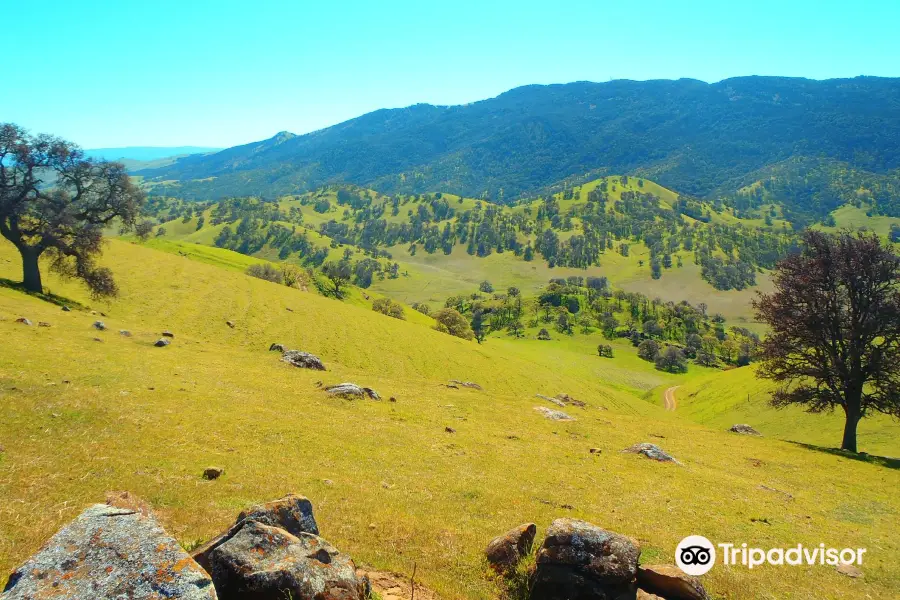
[695, 555]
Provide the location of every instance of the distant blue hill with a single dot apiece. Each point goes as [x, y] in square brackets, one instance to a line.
[146, 153]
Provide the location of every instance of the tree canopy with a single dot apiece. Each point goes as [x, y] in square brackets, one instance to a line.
[53, 200]
[835, 319]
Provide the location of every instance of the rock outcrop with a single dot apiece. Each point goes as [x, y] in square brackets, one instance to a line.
[579, 560]
[261, 561]
[651, 451]
[466, 384]
[352, 390]
[303, 360]
[743, 429]
[559, 403]
[670, 582]
[293, 513]
[110, 552]
[504, 552]
[554, 415]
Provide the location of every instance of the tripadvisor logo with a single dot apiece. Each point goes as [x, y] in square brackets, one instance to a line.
[696, 555]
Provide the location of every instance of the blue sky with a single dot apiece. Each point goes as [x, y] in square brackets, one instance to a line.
[225, 72]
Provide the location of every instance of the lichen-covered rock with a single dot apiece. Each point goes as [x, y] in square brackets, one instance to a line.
[559, 403]
[567, 399]
[651, 451]
[580, 561]
[293, 513]
[554, 415]
[505, 552]
[99, 325]
[110, 552]
[351, 389]
[670, 582]
[161, 343]
[304, 360]
[263, 562]
[743, 429]
[466, 384]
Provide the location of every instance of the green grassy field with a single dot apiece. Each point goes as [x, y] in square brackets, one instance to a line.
[84, 416]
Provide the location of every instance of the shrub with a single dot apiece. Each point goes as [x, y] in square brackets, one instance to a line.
[450, 321]
[266, 271]
[543, 334]
[388, 307]
[422, 308]
[486, 287]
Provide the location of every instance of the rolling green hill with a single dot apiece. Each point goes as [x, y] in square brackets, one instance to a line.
[391, 486]
[701, 139]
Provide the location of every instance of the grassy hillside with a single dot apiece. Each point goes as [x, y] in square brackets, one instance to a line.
[737, 396]
[389, 484]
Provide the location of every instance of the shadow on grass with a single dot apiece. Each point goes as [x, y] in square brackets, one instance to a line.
[881, 461]
[51, 298]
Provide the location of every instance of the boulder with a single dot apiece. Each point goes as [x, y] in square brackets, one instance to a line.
[210, 473]
[551, 400]
[100, 325]
[651, 451]
[43, 324]
[849, 570]
[555, 415]
[66, 308]
[161, 343]
[466, 384]
[293, 513]
[505, 552]
[744, 429]
[642, 595]
[264, 562]
[670, 582]
[230, 324]
[23, 321]
[124, 333]
[579, 560]
[110, 552]
[168, 334]
[567, 399]
[303, 360]
[350, 390]
[276, 348]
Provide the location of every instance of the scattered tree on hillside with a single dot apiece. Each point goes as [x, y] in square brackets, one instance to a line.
[671, 360]
[388, 307]
[54, 200]
[266, 271]
[835, 320]
[143, 229]
[486, 287]
[450, 321]
[605, 350]
[339, 273]
[648, 350]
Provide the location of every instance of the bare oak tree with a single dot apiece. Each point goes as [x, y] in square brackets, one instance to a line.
[54, 200]
[835, 319]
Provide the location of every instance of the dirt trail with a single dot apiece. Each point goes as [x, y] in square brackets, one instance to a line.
[669, 398]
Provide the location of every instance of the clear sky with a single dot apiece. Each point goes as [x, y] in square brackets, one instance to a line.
[226, 72]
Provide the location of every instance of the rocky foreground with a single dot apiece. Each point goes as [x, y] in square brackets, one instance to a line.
[273, 551]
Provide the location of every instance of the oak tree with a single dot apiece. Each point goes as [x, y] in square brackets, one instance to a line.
[55, 201]
[835, 321]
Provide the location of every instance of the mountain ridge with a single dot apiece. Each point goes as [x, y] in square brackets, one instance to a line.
[686, 134]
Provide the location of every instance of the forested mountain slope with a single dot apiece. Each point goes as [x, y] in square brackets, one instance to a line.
[688, 135]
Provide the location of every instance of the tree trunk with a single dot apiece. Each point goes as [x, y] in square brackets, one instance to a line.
[852, 420]
[31, 271]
